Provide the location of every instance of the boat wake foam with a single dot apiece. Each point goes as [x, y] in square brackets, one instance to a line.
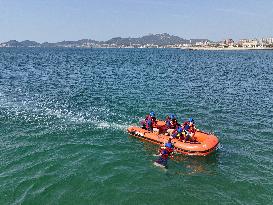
[46, 112]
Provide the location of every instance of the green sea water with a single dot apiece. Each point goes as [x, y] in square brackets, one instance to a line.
[64, 114]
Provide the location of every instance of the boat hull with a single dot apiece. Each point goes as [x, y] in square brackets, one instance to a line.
[206, 143]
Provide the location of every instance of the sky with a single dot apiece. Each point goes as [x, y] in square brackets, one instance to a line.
[57, 20]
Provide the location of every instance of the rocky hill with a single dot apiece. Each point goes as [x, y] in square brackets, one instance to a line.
[151, 39]
[156, 39]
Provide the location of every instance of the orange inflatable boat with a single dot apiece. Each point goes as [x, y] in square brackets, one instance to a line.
[204, 145]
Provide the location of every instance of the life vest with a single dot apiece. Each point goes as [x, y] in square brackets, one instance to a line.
[189, 127]
[174, 134]
[147, 117]
[149, 123]
[192, 129]
[183, 135]
[186, 127]
[153, 119]
[164, 153]
[168, 122]
[170, 150]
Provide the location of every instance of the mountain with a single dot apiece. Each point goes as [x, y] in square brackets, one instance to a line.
[72, 44]
[160, 40]
[11, 43]
[28, 43]
[14, 43]
[156, 39]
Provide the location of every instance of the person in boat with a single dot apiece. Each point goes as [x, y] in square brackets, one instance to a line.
[189, 127]
[183, 135]
[177, 132]
[192, 126]
[173, 122]
[189, 137]
[167, 125]
[145, 124]
[168, 122]
[172, 125]
[152, 126]
[149, 125]
[153, 118]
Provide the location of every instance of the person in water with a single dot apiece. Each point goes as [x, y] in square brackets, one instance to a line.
[169, 146]
[163, 157]
[164, 154]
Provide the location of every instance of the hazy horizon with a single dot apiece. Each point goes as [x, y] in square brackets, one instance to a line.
[54, 21]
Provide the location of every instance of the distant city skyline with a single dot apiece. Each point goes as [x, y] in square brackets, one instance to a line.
[57, 20]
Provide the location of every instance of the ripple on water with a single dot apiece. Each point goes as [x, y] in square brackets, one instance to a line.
[64, 114]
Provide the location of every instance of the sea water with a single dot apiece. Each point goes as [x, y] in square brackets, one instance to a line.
[64, 114]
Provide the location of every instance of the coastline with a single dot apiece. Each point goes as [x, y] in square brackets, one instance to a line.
[182, 48]
[228, 49]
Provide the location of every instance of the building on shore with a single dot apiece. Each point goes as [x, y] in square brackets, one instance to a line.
[249, 43]
[267, 40]
[229, 42]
